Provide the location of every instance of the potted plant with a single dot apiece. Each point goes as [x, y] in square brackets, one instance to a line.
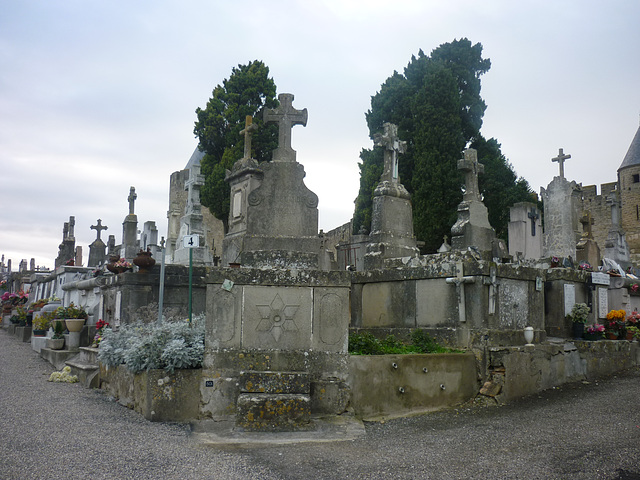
[42, 323]
[578, 317]
[633, 320]
[635, 333]
[615, 324]
[56, 342]
[120, 266]
[101, 326]
[73, 316]
[594, 332]
[21, 312]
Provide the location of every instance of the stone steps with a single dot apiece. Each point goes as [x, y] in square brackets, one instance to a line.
[273, 401]
[85, 365]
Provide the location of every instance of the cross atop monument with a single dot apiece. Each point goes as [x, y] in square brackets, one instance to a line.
[132, 200]
[99, 227]
[471, 168]
[392, 146]
[560, 159]
[286, 117]
[249, 128]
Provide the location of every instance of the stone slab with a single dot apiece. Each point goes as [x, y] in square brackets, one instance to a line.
[274, 382]
[273, 413]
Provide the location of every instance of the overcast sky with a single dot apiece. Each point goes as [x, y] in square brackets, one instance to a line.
[98, 96]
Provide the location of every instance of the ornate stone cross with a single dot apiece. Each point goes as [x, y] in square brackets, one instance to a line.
[533, 216]
[560, 159]
[286, 117]
[392, 146]
[249, 128]
[471, 168]
[132, 200]
[99, 227]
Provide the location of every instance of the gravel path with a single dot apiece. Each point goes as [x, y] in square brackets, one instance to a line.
[63, 431]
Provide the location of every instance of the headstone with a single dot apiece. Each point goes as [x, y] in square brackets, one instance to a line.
[525, 231]
[22, 267]
[191, 224]
[392, 216]
[97, 249]
[78, 257]
[561, 214]
[32, 265]
[472, 229]
[615, 247]
[149, 238]
[587, 249]
[130, 245]
[281, 228]
[66, 250]
[111, 245]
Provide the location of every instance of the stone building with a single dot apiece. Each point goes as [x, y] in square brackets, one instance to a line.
[629, 185]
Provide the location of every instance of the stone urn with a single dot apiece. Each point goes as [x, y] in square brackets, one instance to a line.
[144, 261]
[74, 324]
[55, 343]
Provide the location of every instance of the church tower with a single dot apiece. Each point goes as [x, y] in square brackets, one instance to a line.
[629, 184]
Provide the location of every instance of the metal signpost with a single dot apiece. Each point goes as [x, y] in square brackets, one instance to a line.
[191, 242]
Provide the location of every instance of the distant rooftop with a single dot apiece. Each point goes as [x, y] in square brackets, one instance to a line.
[632, 157]
[195, 158]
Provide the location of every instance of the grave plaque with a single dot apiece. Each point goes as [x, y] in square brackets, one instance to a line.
[569, 297]
[599, 278]
[603, 302]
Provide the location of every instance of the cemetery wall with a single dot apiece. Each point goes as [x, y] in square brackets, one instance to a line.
[600, 211]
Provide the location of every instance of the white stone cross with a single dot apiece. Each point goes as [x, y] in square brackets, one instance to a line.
[286, 117]
[132, 200]
[560, 159]
[392, 146]
[249, 128]
[459, 280]
[99, 227]
[493, 283]
[471, 168]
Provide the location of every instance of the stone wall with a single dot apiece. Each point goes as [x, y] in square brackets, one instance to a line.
[600, 211]
[629, 181]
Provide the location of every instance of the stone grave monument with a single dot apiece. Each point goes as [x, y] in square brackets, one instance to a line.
[67, 249]
[472, 229]
[525, 231]
[97, 249]
[391, 217]
[130, 246]
[277, 327]
[561, 214]
[191, 223]
[615, 247]
[587, 249]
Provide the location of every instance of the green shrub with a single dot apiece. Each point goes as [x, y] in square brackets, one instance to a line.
[367, 344]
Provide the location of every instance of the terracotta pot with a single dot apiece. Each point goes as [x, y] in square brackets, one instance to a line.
[144, 261]
[611, 336]
[74, 324]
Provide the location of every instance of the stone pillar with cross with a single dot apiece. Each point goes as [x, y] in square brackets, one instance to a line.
[130, 245]
[525, 231]
[392, 215]
[472, 229]
[97, 249]
[286, 117]
[616, 247]
[459, 281]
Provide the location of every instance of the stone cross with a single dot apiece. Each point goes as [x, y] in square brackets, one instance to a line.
[192, 186]
[65, 231]
[459, 280]
[471, 168]
[560, 159]
[99, 227]
[533, 215]
[286, 117]
[132, 200]
[587, 222]
[612, 200]
[392, 146]
[493, 283]
[249, 128]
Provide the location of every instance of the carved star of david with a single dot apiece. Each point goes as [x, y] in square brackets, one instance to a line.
[277, 318]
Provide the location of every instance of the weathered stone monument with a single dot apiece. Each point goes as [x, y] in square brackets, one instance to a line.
[472, 229]
[391, 218]
[192, 224]
[130, 245]
[587, 249]
[97, 249]
[525, 231]
[616, 247]
[276, 339]
[561, 214]
[67, 249]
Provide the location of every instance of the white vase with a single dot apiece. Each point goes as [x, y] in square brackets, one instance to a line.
[528, 335]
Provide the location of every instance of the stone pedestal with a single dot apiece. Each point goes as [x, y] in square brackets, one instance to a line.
[129, 238]
[561, 218]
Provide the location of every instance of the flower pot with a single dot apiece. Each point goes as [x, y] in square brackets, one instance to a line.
[74, 324]
[144, 261]
[611, 335]
[528, 335]
[592, 336]
[39, 333]
[578, 329]
[55, 343]
[116, 270]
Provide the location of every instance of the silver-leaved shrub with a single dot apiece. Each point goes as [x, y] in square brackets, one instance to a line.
[167, 345]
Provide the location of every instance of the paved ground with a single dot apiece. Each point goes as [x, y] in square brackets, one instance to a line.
[62, 431]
